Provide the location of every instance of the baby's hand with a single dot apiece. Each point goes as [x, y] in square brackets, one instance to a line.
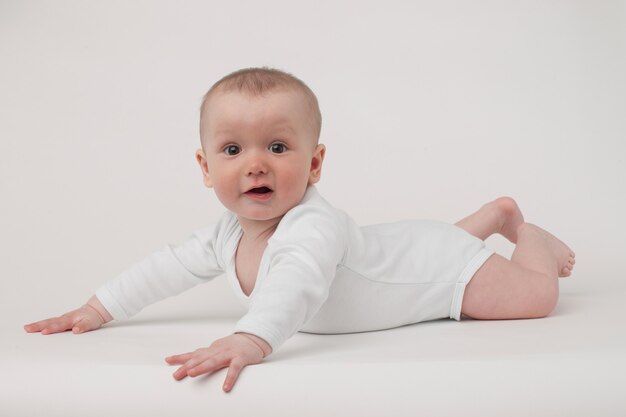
[235, 352]
[91, 316]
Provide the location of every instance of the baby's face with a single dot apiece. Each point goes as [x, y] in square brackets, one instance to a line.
[260, 153]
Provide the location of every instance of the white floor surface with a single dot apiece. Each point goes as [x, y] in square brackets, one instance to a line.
[572, 363]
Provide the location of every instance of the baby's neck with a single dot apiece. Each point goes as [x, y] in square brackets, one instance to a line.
[258, 230]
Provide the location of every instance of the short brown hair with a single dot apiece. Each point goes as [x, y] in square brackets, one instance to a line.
[256, 81]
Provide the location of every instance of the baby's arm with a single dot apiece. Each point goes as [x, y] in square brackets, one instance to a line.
[303, 263]
[88, 317]
[166, 272]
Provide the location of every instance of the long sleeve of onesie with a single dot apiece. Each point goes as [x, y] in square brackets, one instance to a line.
[164, 273]
[296, 273]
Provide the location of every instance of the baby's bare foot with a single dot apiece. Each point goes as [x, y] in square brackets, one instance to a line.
[564, 255]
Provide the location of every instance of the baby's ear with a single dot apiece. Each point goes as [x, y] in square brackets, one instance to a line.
[206, 177]
[316, 164]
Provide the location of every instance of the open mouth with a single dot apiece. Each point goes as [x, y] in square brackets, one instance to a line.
[260, 190]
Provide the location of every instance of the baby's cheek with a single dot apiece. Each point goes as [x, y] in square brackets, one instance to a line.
[225, 195]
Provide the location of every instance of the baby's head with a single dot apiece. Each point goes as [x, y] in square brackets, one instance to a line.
[259, 130]
[256, 82]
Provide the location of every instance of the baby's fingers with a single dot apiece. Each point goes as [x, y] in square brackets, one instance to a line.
[235, 367]
[85, 325]
[44, 326]
[33, 327]
[212, 364]
[56, 325]
[60, 325]
[38, 325]
[178, 359]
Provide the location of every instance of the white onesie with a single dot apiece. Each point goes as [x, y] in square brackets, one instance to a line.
[320, 273]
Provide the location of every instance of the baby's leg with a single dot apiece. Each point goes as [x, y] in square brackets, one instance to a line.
[524, 287]
[499, 216]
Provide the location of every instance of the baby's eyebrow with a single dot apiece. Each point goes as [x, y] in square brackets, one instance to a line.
[223, 135]
[223, 132]
[284, 127]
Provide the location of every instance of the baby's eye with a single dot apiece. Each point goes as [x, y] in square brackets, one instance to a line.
[232, 150]
[278, 147]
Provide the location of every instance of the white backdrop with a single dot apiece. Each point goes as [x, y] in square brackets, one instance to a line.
[430, 109]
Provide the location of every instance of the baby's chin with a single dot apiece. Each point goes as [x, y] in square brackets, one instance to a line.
[259, 222]
[258, 214]
[251, 210]
[261, 214]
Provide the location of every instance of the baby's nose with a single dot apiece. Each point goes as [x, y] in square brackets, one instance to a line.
[257, 166]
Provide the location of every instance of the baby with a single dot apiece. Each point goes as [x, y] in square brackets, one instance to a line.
[300, 264]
